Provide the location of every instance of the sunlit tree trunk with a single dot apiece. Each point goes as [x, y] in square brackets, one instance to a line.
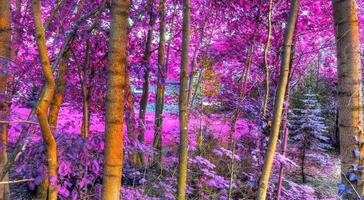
[59, 91]
[278, 105]
[146, 63]
[266, 64]
[5, 59]
[349, 89]
[162, 75]
[44, 102]
[183, 104]
[116, 85]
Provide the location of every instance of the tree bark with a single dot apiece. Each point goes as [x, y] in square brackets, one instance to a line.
[5, 57]
[85, 127]
[278, 105]
[162, 75]
[183, 104]
[114, 146]
[44, 103]
[266, 64]
[59, 91]
[146, 63]
[129, 116]
[349, 88]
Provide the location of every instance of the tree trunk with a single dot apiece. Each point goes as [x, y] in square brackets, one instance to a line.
[44, 103]
[85, 127]
[349, 88]
[183, 104]
[162, 75]
[193, 62]
[285, 130]
[266, 64]
[59, 91]
[281, 169]
[278, 105]
[5, 58]
[114, 146]
[303, 157]
[129, 116]
[146, 63]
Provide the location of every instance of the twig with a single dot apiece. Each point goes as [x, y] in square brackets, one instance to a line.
[352, 186]
[18, 122]
[16, 181]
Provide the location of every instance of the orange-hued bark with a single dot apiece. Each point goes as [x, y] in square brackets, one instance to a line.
[5, 57]
[115, 97]
[44, 102]
[350, 91]
[129, 115]
[58, 92]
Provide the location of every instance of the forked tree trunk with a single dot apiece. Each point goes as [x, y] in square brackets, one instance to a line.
[278, 105]
[183, 104]
[44, 102]
[114, 146]
[5, 58]
[349, 89]
[162, 75]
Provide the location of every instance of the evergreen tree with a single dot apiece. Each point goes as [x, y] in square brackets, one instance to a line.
[309, 132]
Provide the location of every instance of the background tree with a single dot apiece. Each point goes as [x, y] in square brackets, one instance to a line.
[161, 82]
[309, 132]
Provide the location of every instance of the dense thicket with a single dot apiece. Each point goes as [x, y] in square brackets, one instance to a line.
[192, 99]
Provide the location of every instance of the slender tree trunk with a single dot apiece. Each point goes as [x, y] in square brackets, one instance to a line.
[114, 146]
[5, 57]
[129, 116]
[285, 131]
[146, 63]
[172, 35]
[44, 103]
[349, 88]
[183, 104]
[85, 127]
[303, 157]
[162, 75]
[193, 62]
[278, 105]
[232, 146]
[336, 135]
[266, 64]
[281, 169]
[59, 91]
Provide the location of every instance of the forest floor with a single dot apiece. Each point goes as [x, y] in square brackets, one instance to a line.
[324, 186]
